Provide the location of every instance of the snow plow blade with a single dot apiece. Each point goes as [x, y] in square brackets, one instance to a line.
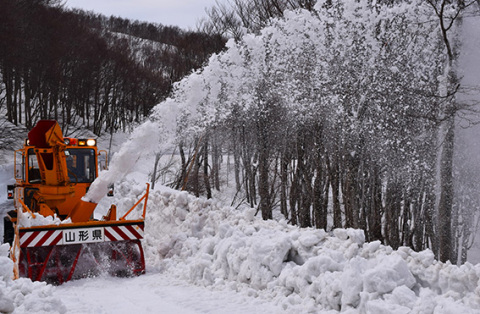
[56, 254]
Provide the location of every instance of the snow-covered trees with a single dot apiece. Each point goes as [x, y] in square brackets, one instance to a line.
[332, 116]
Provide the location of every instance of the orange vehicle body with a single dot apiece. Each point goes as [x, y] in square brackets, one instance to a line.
[52, 176]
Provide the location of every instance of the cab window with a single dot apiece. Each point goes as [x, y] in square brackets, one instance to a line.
[33, 169]
[81, 165]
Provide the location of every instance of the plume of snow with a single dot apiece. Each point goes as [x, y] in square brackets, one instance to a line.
[144, 140]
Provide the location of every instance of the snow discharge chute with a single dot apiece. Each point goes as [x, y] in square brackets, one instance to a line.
[52, 232]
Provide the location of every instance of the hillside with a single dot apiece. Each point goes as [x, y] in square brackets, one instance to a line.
[76, 68]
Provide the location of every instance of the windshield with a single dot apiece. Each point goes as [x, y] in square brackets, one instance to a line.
[33, 170]
[81, 164]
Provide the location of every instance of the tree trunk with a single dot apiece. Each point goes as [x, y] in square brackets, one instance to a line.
[284, 184]
[334, 174]
[446, 194]
[320, 188]
[392, 212]
[216, 159]
[376, 208]
[155, 165]
[183, 166]
[206, 179]
[263, 180]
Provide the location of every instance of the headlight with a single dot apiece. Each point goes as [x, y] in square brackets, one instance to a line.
[87, 142]
[91, 142]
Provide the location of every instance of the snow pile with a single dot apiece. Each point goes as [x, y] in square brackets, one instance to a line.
[27, 220]
[23, 295]
[207, 244]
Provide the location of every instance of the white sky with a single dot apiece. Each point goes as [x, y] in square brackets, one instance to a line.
[182, 13]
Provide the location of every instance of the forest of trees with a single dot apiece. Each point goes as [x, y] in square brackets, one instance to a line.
[86, 70]
[335, 113]
[340, 114]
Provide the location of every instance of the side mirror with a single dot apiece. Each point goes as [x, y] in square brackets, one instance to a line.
[10, 191]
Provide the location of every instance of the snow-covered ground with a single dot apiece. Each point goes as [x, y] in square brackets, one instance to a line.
[205, 257]
[6, 178]
[155, 293]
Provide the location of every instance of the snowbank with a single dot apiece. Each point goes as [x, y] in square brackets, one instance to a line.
[23, 295]
[202, 242]
[210, 245]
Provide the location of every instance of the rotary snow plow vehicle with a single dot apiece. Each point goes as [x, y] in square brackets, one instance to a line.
[52, 175]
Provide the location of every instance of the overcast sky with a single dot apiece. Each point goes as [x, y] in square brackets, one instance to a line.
[182, 13]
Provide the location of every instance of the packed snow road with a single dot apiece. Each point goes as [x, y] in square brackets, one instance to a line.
[6, 178]
[154, 293]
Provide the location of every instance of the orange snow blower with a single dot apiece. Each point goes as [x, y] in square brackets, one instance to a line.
[52, 175]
